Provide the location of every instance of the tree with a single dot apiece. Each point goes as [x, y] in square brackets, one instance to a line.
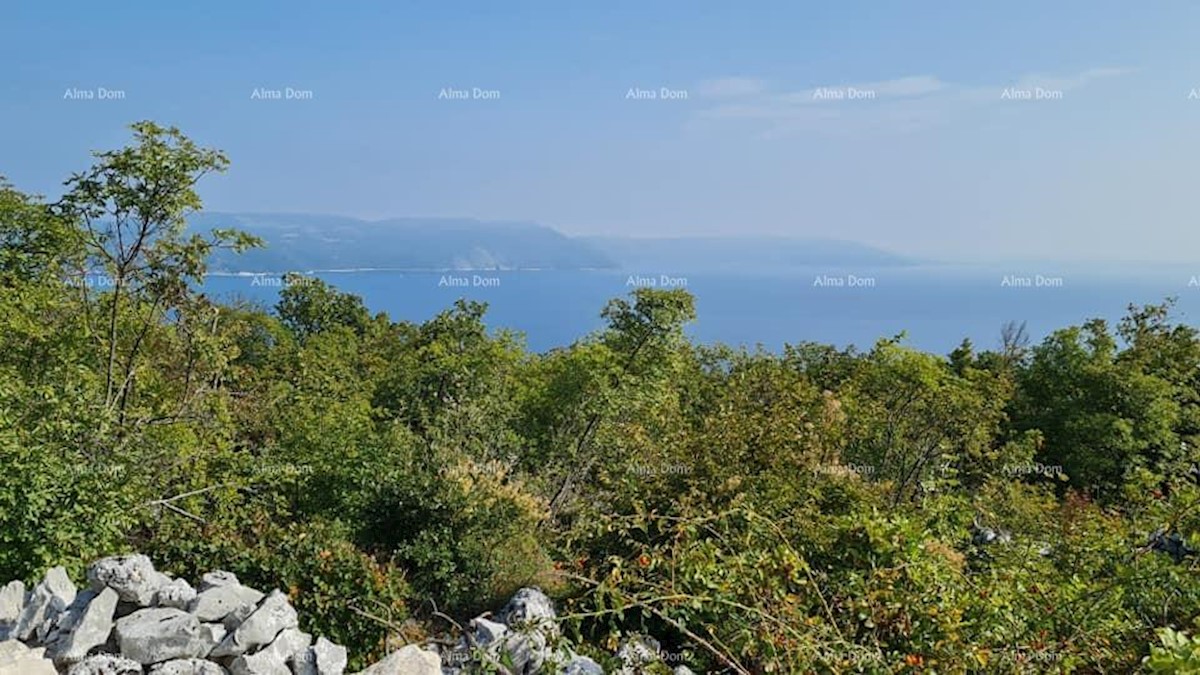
[640, 337]
[133, 204]
[912, 417]
[36, 244]
[1101, 415]
[308, 305]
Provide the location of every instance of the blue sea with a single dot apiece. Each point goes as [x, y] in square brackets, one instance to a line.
[936, 306]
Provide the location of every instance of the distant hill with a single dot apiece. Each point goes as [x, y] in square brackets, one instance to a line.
[307, 242]
[752, 252]
[303, 242]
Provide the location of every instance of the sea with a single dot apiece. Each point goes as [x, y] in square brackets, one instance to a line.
[934, 306]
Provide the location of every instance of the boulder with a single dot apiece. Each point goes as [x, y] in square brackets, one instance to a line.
[106, 664]
[486, 632]
[133, 577]
[528, 651]
[411, 660]
[275, 657]
[323, 658]
[273, 615]
[212, 634]
[530, 617]
[49, 598]
[160, 634]
[235, 618]
[218, 578]
[528, 606]
[188, 667]
[258, 664]
[12, 601]
[176, 593]
[84, 626]
[216, 602]
[17, 659]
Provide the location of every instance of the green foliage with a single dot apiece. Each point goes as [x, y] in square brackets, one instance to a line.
[332, 584]
[308, 305]
[1175, 653]
[1099, 410]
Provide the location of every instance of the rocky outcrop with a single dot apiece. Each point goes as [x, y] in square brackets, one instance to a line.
[132, 619]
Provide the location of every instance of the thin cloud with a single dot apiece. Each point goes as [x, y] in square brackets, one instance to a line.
[899, 104]
[902, 87]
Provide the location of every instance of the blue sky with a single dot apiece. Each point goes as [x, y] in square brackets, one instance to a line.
[936, 162]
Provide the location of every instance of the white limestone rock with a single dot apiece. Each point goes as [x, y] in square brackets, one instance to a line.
[411, 660]
[177, 593]
[218, 578]
[188, 667]
[582, 665]
[216, 602]
[17, 659]
[106, 664]
[12, 601]
[54, 594]
[323, 658]
[160, 634]
[273, 615]
[276, 657]
[84, 626]
[133, 577]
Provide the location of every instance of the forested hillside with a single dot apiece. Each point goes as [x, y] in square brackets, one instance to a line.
[1027, 509]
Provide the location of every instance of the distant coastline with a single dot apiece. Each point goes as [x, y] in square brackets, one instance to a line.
[335, 244]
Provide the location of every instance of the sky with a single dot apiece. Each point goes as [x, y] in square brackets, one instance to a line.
[924, 153]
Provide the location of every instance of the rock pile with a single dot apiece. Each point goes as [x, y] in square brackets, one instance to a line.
[133, 619]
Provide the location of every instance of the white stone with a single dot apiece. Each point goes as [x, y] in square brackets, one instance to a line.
[217, 602]
[212, 634]
[275, 657]
[17, 659]
[528, 606]
[160, 634]
[49, 598]
[235, 618]
[188, 667]
[106, 664]
[218, 578]
[331, 659]
[133, 577]
[177, 593]
[582, 665]
[274, 614]
[12, 601]
[85, 625]
[411, 660]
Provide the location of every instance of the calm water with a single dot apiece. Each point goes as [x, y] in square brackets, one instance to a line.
[936, 305]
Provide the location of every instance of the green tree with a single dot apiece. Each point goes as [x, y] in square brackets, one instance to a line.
[132, 204]
[1101, 415]
[308, 305]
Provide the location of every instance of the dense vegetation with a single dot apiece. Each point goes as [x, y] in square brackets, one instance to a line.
[819, 509]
